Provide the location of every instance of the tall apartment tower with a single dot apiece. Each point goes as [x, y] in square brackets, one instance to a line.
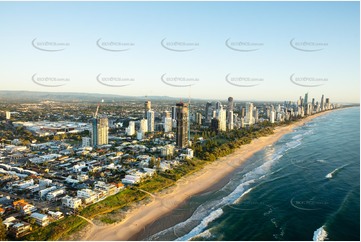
[218, 105]
[174, 113]
[8, 115]
[147, 107]
[221, 115]
[208, 111]
[322, 103]
[150, 120]
[230, 123]
[100, 131]
[249, 113]
[230, 104]
[182, 125]
[143, 128]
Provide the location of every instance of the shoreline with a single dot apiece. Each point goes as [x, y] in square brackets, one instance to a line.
[166, 201]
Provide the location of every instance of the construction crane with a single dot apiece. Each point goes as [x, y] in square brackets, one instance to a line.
[97, 110]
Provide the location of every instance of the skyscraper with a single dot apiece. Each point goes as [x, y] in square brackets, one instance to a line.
[100, 131]
[174, 113]
[147, 107]
[167, 125]
[272, 117]
[249, 114]
[243, 112]
[327, 104]
[198, 118]
[230, 113]
[131, 128]
[208, 112]
[8, 115]
[255, 114]
[182, 125]
[218, 105]
[143, 126]
[221, 115]
[166, 114]
[230, 104]
[322, 103]
[230, 124]
[215, 125]
[305, 100]
[150, 120]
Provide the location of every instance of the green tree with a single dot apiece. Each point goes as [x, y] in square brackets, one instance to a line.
[151, 162]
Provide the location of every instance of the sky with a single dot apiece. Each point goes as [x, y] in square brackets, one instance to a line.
[261, 51]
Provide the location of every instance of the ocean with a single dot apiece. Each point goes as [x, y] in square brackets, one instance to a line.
[306, 186]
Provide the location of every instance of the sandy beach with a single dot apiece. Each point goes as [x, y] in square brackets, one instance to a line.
[187, 186]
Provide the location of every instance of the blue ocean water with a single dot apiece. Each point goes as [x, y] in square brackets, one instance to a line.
[306, 186]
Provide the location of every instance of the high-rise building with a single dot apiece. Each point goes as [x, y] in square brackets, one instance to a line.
[243, 112]
[143, 126]
[221, 115]
[278, 108]
[208, 112]
[215, 125]
[150, 119]
[8, 115]
[147, 107]
[182, 125]
[198, 118]
[167, 125]
[272, 117]
[327, 104]
[299, 101]
[230, 124]
[322, 103]
[255, 114]
[174, 113]
[131, 128]
[249, 114]
[230, 104]
[166, 114]
[305, 100]
[218, 105]
[100, 131]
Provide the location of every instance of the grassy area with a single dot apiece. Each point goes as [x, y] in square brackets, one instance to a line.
[113, 203]
[106, 219]
[156, 183]
[58, 229]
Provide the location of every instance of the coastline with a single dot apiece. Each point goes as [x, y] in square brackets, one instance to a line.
[165, 201]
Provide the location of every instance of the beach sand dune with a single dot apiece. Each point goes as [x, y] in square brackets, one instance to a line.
[187, 186]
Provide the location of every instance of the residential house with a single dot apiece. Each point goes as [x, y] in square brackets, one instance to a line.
[71, 202]
[40, 219]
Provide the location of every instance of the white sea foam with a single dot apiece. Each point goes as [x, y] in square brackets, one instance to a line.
[329, 175]
[332, 173]
[297, 136]
[245, 193]
[293, 144]
[197, 230]
[320, 234]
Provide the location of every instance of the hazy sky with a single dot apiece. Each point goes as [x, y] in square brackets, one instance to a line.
[275, 50]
